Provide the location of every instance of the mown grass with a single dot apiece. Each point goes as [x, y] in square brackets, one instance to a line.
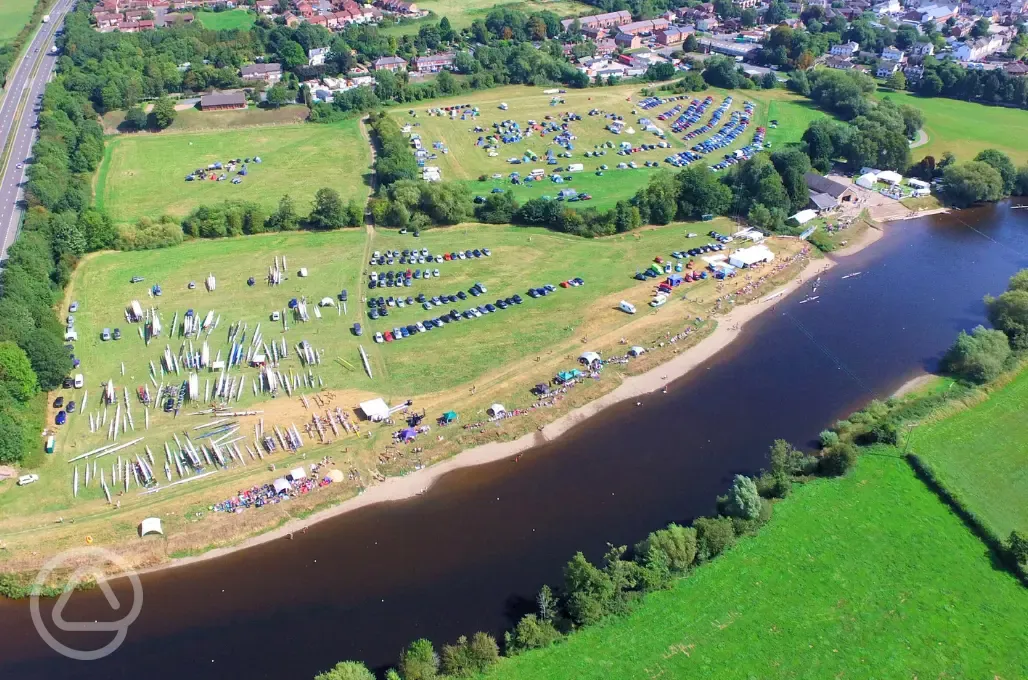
[226, 21]
[965, 128]
[144, 175]
[979, 455]
[462, 13]
[468, 162]
[14, 14]
[870, 576]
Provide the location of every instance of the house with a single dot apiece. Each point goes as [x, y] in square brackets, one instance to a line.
[222, 101]
[595, 33]
[977, 50]
[846, 49]
[886, 68]
[393, 64]
[434, 63]
[913, 72]
[627, 41]
[291, 19]
[838, 63]
[922, 49]
[316, 56]
[893, 54]
[606, 20]
[744, 4]
[1016, 68]
[827, 194]
[266, 6]
[398, 6]
[269, 73]
[319, 20]
[644, 27]
[940, 14]
[707, 25]
[674, 35]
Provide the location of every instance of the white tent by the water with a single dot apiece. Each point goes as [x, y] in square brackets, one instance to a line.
[636, 350]
[297, 474]
[375, 409]
[747, 257]
[589, 358]
[890, 177]
[867, 180]
[804, 216]
[151, 525]
[281, 485]
[496, 410]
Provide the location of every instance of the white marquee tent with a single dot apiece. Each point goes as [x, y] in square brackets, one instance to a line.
[151, 525]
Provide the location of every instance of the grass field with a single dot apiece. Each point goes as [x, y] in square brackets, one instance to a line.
[14, 14]
[194, 120]
[980, 454]
[462, 13]
[965, 128]
[870, 576]
[465, 161]
[226, 21]
[143, 175]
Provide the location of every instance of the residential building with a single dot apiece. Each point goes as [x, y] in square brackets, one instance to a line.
[627, 41]
[393, 64]
[606, 20]
[838, 62]
[893, 54]
[266, 6]
[1016, 68]
[744, 4]
[644, 27]
[913, 72]
[707, 25]
[398, 6]
[222, 101]
[886, 67]
[977, 50]
[674, 35]
[269, 73]
[434, 63]
[846, 49]
[316, 56]
[922, 49]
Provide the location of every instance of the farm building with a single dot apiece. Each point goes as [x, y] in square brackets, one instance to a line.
[269, 73]
[747, 257]
[222, 101]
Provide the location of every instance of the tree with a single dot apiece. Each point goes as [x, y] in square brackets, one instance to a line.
[838, 460]
[546, 603]
[720, 71]
[897, 81]
[793, 165]
[285, 217]
[328, 212]
[1002, 164]
[49, 359]
[292, 55]
[98, 230]
[713, 536]
[467, 658]
[530, 633]
[743, 499]
[136, 118]
[347, 670]
[690, 44]
[163, 113]
[419, 661]
[676, 543]
[277, 96]
[980, 28]
[776, 13]
[978, 357]
[589, 590]
[16, 374]
[1009, 313]
[972, 182]
[12, 438]
[1018, 546]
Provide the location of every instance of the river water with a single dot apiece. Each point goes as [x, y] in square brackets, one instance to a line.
[471, 552]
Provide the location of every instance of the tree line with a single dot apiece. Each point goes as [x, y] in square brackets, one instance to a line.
[9, 50]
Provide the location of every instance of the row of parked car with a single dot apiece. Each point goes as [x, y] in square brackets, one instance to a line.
[453, 316]
[424, 256]
[399, 278]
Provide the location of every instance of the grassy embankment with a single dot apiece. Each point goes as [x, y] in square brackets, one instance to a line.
[13, 16]
[467, 162]
[462, 13]
[226, 21]
[965, 128]
[503, 355]
[143, 175]
[868, 576]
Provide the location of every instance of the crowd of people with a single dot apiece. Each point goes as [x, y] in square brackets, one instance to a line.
[260, 495]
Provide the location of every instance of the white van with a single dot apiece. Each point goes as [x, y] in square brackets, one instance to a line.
[626, 307]
[71, 335]
[658, 300]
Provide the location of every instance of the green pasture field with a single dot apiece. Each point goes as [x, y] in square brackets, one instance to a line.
[14, 14]
[869, 576]
[980, 455]
[965, 128]
[194, 120]
[465, 161]
[226, 21]
[462, 13]
[144, 175]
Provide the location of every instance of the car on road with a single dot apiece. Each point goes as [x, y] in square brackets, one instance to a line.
[20, 166]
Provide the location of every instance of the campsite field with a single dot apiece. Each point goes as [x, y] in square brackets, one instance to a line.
[503, 354]
[980, 455]
[14, 14]
[226, 21]
[867, 576]
[143, 175]
[462, 13]
[965, 128]
[466, 161]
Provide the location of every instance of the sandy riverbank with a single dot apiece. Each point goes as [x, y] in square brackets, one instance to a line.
[730, 327]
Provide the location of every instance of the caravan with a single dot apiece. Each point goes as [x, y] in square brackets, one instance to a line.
[626, 307]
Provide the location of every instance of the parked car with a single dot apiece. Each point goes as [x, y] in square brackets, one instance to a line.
[61, 418]
[58, 402]
[71, 407]
[105, 334]
[74, 307]
[79, 381]
[357, 330]
[25, 480]
[378, 337]
[117, 334]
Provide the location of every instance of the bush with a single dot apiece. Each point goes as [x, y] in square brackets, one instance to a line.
[676, 543]
[714, 535]
[467, 658]
[347, 670]
[419, 661]
[979, 357]
[743, 500]
[838, 460]
[530, 633]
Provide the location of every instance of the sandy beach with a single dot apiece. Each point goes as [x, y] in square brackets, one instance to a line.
[730, 327]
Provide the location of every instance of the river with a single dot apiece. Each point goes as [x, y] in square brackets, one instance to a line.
[471, 552]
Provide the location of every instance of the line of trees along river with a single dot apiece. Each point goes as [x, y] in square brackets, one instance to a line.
[471, 553]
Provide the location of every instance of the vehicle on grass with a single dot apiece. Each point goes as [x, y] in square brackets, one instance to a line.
[501, 304]
[71, 407]
[378, 337]
[25, 480]
[481, 288]
[59, 402]
[474, 291]
[626, 307]
[490, 308]
[420, 326]
[105, 334]
[74, 307]
[62, 418]
[117, 334]
[67, 383]
[396, 334]
[388, 335]
[79, 381]
[136, 279]
[373, 314]
[357, 330]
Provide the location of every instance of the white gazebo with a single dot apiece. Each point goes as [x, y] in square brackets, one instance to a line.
[374, 409]
[151, 525]
[281, 486]
[803, 216]
[636, 350]
[296, 474]
[890, 177]
[496, 410]
[590, 358]
[867, 180]
[747, 257]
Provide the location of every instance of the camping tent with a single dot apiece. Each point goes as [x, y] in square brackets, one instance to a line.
[449, 416]
[497, 410]
[408, 434]
[151, 525]
[804, 216]
[867, 180]
[635, 351]
[297, 474]
[374, 409]
[590, 358]
[890, 177]
[281, 486]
